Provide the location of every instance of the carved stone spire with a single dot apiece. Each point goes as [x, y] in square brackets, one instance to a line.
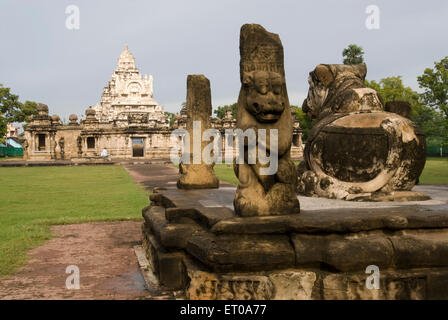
[126, 62]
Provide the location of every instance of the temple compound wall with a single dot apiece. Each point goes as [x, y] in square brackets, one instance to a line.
[128, 122]
[48, 139]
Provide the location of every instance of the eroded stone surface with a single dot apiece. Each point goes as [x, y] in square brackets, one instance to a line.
[356, 150]
[263, 105]
[199, 109]
[241, 252]
[323, 253]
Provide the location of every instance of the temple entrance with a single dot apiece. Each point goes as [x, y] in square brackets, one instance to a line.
[41, 142]
[137, 147]
[90, 143]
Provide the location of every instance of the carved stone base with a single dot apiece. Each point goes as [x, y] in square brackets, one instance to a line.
[395, 196]
[195, 243]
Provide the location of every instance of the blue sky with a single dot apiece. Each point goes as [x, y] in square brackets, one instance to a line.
[41, 60]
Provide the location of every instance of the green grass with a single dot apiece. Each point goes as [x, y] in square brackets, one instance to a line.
[33, 199]
[435, 172]
[10, 158]
[225, 172]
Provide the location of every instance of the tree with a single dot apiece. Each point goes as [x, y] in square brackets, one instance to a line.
[392, 89]
[12, 110]
[306, 123]
[170, 117]
[353, 54]
[27, 109]
[221, 110]
[435, 83]
[428, 119]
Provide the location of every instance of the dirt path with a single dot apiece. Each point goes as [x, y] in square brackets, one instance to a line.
[102, 251]
[157, 175]
[154, 175]
[104, 255]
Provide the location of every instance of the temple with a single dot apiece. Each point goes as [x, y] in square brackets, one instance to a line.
[128, 97]
[127, 121]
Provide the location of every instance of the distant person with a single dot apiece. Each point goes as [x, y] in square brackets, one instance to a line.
[105, 155]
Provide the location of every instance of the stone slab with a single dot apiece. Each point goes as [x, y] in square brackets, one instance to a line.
[337, 220]
[212, 208]
[241, 252]
[170, 235]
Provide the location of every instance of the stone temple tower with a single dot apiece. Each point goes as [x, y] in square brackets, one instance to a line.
[128, 97]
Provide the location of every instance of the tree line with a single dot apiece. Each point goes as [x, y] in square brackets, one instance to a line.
[429, 109]
[12, 110]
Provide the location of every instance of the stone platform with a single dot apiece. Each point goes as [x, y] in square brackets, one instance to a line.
[195, 243]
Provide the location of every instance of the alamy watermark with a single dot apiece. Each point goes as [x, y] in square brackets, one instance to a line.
[259, 149]
[72, 281]
[373, 281]
[72, 22]
[373, 19]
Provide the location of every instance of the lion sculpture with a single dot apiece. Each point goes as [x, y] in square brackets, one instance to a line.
[356, 150]
[263, 106]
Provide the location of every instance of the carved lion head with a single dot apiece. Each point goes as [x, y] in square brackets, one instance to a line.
[328, 82]
[265, 98]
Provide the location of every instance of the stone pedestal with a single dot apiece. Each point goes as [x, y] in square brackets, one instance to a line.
[195, 242]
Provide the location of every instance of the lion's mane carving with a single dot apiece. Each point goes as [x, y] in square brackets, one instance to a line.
[263, 104]
[356, 150]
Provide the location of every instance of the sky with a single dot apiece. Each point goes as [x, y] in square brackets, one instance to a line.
[42, 60]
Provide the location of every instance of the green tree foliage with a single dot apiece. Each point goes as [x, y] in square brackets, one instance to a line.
[170, 116]
[12, 110]
[305, 122]
[392, 89]
[435, 83]
[221, 110]
[428, 119]
[353, 54]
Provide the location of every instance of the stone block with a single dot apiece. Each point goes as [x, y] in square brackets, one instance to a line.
[172, 273]
[421, 248]
[170, 235]
[203, 285]
[241, 252]
[205, 216]
[343, 253]
[167, 266]
[294, 284]
[403, 285]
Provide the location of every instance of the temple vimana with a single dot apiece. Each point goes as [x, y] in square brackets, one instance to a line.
[128, 122]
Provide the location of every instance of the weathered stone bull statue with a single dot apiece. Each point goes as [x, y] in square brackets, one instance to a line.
[356, 150]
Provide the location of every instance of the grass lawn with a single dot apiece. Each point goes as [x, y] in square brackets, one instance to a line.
[435, 172]
[33, 199]
[225, 172]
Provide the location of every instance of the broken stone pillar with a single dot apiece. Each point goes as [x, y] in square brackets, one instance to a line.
[263, 104]
[199, 109]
